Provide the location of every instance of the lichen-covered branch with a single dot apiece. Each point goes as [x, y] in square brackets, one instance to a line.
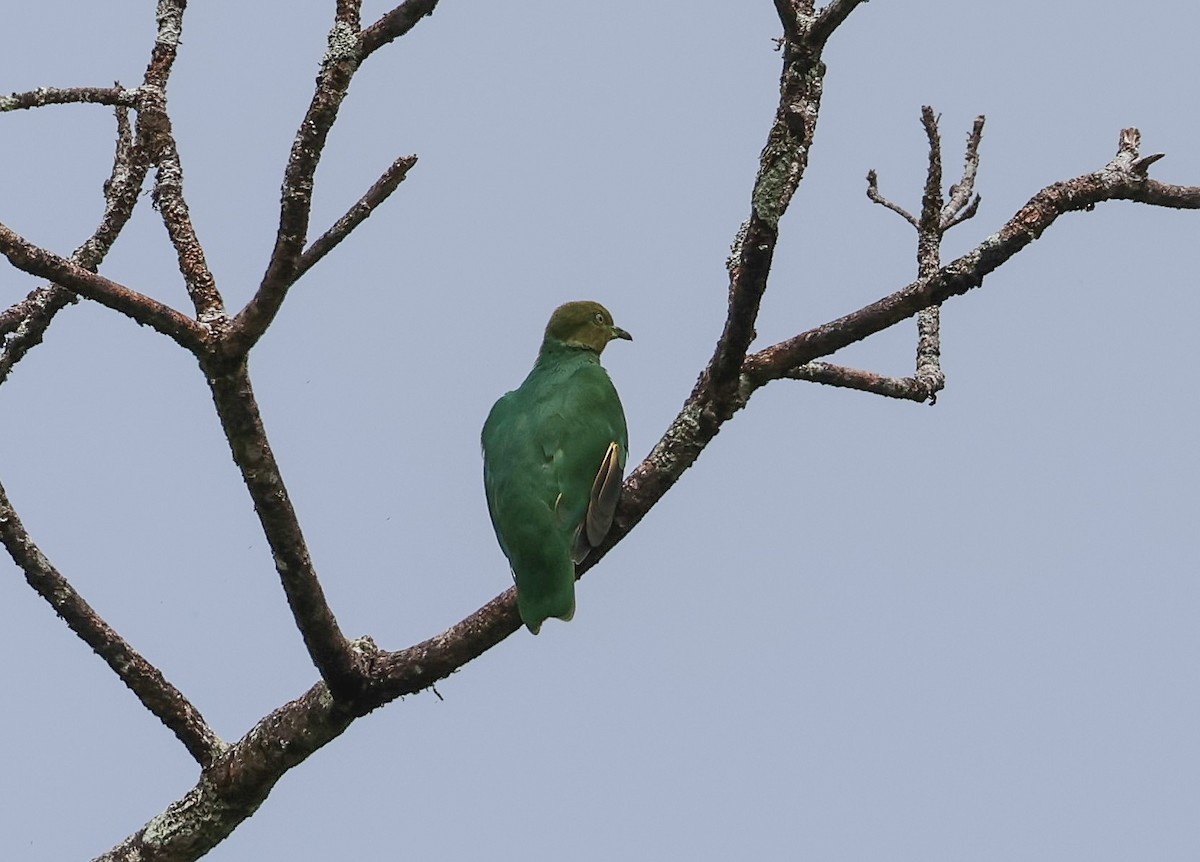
[158, 140]
[781, 168]
[150, 312]
[333, 81]
[1124, 178]
[904, 388]
[937, 216]
[163, 700]
[929, 249]
[963, 202]
[116, 96]
[26, 322]
[30, 318]
[233, 787]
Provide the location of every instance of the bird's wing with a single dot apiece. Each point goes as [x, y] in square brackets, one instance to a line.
[602, 504]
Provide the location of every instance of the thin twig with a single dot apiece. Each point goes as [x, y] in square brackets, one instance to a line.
[961, 206]
[874, 195]
[906, 388]
[357, 214]
[937, 216]
[163, 700]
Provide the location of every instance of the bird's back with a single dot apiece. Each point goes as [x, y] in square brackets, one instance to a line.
[543, 444]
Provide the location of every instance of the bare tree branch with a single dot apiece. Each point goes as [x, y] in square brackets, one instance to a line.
[874, 195]
[172, 207]
[791, 13]
[131, 163]
[243, 426]
[937, 217]
[1123, 178]
[158, 140]
[27, 320]
[337, 69]
[163, 700]
[906, 388]
[929, 249]
[348, 47]
[961, 206]
[357, 214]
[116, 96]
[232, 789]
[781, 168]
[393, 25]
[234, 786]
[831, 17]
[150, 312]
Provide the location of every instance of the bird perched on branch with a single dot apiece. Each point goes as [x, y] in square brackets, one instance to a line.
[553, 458]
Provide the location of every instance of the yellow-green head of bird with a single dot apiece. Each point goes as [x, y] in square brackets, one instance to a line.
[584, 324]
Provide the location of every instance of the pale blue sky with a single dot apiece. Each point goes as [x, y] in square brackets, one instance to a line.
[857, 629]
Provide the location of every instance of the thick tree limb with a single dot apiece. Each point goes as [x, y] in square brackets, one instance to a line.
[240, 419]
[163, 700]
[781, 168]
[232, 789]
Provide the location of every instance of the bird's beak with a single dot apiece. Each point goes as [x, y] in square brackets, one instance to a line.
[618, 332]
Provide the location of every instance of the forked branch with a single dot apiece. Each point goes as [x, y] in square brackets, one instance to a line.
[1123, 178]
[357, 214]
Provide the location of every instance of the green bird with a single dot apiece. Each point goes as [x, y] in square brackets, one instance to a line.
[553, 457]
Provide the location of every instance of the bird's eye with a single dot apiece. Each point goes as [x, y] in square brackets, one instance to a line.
[599, 318]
